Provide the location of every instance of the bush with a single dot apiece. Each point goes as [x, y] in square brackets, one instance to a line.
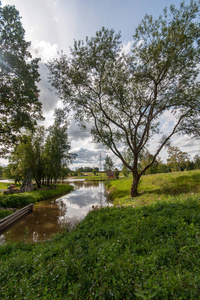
[5, 213]
[23, 199]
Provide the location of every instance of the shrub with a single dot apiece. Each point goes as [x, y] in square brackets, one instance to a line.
[23, 199]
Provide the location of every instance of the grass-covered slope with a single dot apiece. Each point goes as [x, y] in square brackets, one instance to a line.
[158, 187]
[115, 253]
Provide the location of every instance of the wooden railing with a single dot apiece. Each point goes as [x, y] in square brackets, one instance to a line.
[5, 222]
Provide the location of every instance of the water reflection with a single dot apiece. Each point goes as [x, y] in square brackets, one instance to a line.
[52, 216]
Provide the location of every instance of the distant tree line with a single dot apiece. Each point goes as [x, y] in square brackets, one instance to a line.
[177, 161]
[87, 169]
[19, 163]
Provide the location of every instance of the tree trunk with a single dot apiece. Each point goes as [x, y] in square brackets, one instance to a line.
[38, 183]
[134, 186]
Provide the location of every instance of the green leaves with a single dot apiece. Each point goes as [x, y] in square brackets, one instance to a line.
[18, 77]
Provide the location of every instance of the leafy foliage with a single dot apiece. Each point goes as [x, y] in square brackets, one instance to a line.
[177, 160]
[22, 199]
[20, 106]
[109, 164]
[57, 146]
[46, 156]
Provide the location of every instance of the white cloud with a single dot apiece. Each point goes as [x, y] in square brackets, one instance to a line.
[44, 50]
[127, 46]
[55, 3]
[186, 144]
[167, 121]
[76, 133]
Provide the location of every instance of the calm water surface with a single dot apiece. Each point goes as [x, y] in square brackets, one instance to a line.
[53, 216]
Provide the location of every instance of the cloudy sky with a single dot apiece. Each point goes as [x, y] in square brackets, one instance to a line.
[53, 25]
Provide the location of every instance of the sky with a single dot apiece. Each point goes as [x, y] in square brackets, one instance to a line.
[52, 26]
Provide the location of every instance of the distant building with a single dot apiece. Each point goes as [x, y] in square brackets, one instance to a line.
[111, 174]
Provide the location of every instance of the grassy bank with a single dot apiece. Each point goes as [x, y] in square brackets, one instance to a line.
[149, 251]
[23, 199]
[157, 187]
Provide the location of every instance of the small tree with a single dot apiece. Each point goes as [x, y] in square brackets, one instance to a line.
[123, 96]
[197, 162]
[57, 146]
[94, 171]
[109, 164]
[162, 167]
[145, 159]
[29, 154]
[116, 172]
[177, 160]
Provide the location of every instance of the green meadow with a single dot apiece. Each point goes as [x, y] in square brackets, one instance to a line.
[142, 248]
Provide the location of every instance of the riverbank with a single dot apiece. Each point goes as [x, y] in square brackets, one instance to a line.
[22, 199]
[150, 251]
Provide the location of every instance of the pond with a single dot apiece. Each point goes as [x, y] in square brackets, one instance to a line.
[53, 216]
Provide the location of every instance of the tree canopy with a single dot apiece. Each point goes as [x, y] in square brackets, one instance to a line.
[109, 164]
[177, 160]
[19, 103]
[123, 96]
[47, 155]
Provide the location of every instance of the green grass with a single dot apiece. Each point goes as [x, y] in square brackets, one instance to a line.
[5, 213]
[153, 188]
[149, 251]
[92, 177]
[4, 185]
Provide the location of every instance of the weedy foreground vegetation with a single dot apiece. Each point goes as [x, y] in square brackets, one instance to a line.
[150, 251]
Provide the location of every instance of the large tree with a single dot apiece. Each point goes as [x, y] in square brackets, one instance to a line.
[19, 103]
[122, 96]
